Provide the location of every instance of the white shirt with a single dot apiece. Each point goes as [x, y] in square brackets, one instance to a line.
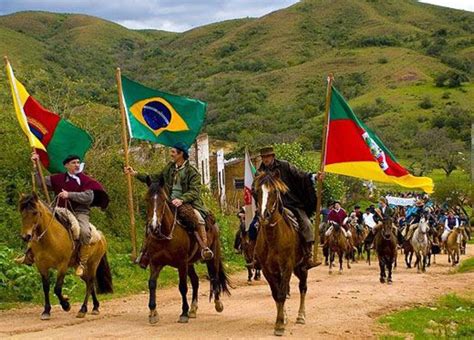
[369, 220]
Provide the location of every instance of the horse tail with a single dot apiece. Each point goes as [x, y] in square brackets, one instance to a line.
[220, 281]
[104, 277]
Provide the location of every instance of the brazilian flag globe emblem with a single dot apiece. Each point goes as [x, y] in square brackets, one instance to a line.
[161, 117]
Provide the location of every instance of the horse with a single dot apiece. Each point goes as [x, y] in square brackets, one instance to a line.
[169, 244]
[338, 244]
[359, 233]
[453, 245]
[420, 244]
[248, 250]
[385, 243]
[278, 247]
[53, 249]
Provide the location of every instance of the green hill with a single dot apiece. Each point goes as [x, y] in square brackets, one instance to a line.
[264, 78]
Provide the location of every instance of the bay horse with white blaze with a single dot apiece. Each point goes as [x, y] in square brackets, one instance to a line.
[278, 248]
[169, 244]
[53, 248]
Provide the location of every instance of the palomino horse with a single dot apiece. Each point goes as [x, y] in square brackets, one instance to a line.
[338, 244]
[248, 250]
[421, 244]
[169, 244]
[53, 248]
[453, 245]
[386, 247]
[278, 248]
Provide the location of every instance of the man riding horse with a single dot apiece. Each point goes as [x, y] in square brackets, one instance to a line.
[300, 198]
[183, 183]
[451, 223]
[78, 193]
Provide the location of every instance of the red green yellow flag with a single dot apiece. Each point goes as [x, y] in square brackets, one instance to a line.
[354, 150]
[52, 137]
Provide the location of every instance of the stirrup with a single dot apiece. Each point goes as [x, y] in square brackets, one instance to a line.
[80, 270]
[206, 254]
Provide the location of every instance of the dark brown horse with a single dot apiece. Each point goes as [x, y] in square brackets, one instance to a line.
[248, 250]
[169, 244]
[278, 248]
[53, 248]
[385, 243]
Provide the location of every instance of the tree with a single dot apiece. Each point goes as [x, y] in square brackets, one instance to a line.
[454, 191]
[439, 151]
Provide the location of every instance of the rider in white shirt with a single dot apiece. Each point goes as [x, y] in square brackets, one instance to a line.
[368, 218]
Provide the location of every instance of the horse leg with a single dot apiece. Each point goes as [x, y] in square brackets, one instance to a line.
[382, 269]
[341, 261]
[58, 288]
[89, 283]
[250, 274]
[279, 295]
[183, 289]
[46, 315]
[195, 285]
[95, 302]
[213, 270]
[257, 275]
[303, 277]
[389, 267]
[331, 259]
[152, 283]
[348, 262]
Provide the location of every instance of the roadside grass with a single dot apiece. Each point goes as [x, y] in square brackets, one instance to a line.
[466, 266]
[451, 316]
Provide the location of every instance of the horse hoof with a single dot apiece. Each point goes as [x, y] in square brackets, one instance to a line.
[153, 317]
[45, 316]
[249, 282]
[183, 319]
[95, 312]
[300, 320]
[219, 306]
[66, 306]
[389, 282]
[279, 331]
[382, 280]
[193, 311]
[80, 315]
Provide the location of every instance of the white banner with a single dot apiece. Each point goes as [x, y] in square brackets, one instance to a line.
[400, 201]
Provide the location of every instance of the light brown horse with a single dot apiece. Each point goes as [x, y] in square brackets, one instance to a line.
[169, 244]
[53, 248]
[453, 245]
[278, 248]
[338, 244]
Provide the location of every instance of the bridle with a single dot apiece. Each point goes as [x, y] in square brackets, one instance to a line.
[271, 211]
[157, 231]
[52, 208]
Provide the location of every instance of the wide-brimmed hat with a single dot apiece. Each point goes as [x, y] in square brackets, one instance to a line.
[267, 151]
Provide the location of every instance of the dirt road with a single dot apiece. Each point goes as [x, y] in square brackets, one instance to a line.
[337, 306]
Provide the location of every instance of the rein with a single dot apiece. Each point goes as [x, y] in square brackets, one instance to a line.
[53, 212]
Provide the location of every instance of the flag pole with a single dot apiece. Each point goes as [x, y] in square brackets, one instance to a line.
[319, 192]
[29, 135]
[133, 232]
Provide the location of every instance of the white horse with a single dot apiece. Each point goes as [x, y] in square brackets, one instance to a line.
[420, 243]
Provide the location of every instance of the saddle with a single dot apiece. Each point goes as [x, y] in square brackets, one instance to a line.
[71, 224]
[291, 219]
[189, 221]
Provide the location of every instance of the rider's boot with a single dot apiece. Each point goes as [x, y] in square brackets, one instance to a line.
[26, 258]
[308, 257]
[84, 254]
[206, 252]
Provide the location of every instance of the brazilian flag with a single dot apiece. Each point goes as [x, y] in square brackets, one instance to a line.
[161, 117]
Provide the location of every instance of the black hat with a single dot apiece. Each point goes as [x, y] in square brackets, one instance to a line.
[357, 207]
[71, 158]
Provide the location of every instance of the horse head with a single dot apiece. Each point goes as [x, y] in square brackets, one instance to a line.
[269, 190]
[30, 215]
[423, 226]
[387, 228]
[156, 200]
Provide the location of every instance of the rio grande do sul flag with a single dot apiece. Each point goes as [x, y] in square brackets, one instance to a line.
[249, 174]
[52, 137]
[353, 150]
[161, 117]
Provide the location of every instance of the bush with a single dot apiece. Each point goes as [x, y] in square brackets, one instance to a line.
[382, 60]
[450, 79]
[426, 103]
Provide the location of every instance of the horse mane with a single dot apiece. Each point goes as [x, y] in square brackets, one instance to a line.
[155, 188]
[272, 181]
[28, 202]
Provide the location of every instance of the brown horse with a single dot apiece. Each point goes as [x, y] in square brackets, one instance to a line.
[53, 248]
[248, 250]
[338, 244]
[169, 244]
[385, 243]
[453, 245]
[358, 233]
[278, 248]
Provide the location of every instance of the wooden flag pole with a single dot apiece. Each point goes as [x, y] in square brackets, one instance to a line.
[319, 193]
[29, 135]
[133, 232]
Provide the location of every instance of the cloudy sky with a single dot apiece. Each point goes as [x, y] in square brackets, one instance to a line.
[171, 15]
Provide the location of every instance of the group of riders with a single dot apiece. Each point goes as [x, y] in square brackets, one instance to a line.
[79, 193]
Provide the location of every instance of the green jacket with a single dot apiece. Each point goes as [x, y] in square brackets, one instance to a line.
[190, 184]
